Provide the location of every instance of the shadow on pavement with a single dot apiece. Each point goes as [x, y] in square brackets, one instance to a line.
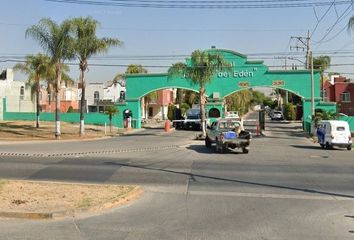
[204, 150]
[194, 176]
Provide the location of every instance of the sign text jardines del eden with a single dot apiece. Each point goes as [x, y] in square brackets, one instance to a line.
[236, 74]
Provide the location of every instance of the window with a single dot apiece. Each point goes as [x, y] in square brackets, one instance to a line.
[22, 92]
[121, 96]
[345, 97]
[324, 95]
[96, 97]
[340, 129]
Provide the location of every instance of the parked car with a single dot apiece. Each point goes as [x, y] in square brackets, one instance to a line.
[277, 115]
[228, 134]
[192, 120]
[334, 133]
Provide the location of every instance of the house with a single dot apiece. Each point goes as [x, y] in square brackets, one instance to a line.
[155, 105]
[18, 95]
[69, 98]
[340, 90]
[100, 95]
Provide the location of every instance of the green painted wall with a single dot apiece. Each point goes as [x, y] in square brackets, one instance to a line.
[350, 120]
[90, 118]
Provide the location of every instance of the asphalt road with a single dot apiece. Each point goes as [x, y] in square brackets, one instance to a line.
[286, 188]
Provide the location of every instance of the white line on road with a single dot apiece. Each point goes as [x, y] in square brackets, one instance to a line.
[271, 195]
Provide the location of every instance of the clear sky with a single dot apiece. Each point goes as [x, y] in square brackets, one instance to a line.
[153, 32]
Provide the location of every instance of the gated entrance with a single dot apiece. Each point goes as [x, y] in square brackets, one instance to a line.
[244, 74]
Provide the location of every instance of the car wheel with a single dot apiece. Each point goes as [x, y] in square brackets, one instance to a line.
[349, 147]
[207, 142]
[328, 146]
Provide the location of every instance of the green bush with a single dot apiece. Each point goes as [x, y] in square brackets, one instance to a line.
[70, 110]
[289, 112]
[170, 111]
[184, 107]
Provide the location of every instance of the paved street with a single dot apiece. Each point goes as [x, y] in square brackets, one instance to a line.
[286, 188]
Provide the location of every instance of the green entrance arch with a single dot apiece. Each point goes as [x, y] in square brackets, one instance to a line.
[244, 74]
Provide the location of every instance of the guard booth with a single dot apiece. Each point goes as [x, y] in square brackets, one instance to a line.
[244, 74]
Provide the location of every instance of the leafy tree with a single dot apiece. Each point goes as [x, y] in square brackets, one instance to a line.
[70, 110]
[55, 39]
[86, 45]
[200, 70]
[170, 111]
[111, 111]
[289, 112]
[321, 114]
[184, 107]
[136, 69]
[36, 67]
[239, 101]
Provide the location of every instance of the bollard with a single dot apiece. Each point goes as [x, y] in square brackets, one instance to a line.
[167, 126]
[257, 129]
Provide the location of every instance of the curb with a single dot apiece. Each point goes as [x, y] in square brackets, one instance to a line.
[27, 215]
[125, 198]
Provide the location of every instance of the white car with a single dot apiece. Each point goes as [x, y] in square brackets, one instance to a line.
[277, 115]
[334, 133]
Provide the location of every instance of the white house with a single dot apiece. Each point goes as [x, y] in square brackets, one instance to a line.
[18, 96]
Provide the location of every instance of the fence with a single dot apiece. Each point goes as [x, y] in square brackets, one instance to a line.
[90, 118]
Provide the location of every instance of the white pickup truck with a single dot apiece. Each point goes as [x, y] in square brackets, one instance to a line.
[228, 134]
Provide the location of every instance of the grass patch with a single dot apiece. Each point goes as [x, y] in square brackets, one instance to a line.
[85, 203]
[2, 183]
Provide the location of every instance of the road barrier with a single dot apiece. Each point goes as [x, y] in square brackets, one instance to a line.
[253, 126]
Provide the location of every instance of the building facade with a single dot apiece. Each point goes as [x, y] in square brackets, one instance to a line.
[18, 95]
[340, 90]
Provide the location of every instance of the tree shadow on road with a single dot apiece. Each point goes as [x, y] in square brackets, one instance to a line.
[239, 181]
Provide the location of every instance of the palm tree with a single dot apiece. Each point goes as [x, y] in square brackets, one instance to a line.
[36, 67]
[55, 39]
[111, 111]
[86, 45]
[321, 63]
[200, 71]
[51, 80]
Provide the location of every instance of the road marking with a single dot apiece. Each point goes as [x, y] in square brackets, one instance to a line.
[272, 195]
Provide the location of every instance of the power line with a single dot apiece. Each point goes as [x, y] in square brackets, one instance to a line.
[319, 20]
[339, 19]
[204, 4]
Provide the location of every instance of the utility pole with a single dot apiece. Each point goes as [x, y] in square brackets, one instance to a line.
[312, 87]
[285, 61]
[305, 45]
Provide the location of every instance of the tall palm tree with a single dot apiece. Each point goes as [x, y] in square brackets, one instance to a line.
[200, 70]
[86, 45]
[51, 80]
[36, 67]
[55, 39]
[321, 63]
